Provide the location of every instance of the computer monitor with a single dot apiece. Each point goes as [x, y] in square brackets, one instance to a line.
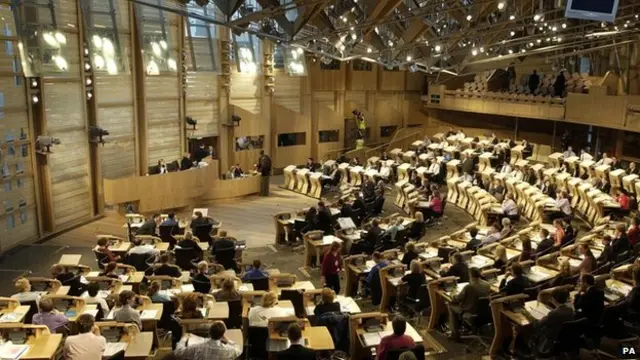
[284, 282]
[595, 10]
[112, 334]
[282, 326]
[166, 284]
[18, 336]
[359, 261]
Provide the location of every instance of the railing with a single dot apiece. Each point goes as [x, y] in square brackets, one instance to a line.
[402, 142]
[499, 96]
[333, 154]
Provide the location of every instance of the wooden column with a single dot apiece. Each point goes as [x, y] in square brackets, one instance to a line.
[138, 72]
[226, 132]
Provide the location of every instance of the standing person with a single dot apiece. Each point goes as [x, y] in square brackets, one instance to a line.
[511, 71]
[264, 167]
[331, 266]
[534, 81]
[560, 84]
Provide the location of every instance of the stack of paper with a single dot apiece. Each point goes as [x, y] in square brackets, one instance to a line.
[9, 351]
[371, 339]
[114, 348]
[10, 317]
[148, 314]
[124, 278]
[536, 309]
[92, 312]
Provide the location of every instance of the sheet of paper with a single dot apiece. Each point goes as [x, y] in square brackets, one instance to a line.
[371, 339]
[148, 314]
[114, 348]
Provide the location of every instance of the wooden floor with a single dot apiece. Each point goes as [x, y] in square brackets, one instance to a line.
[249, 218]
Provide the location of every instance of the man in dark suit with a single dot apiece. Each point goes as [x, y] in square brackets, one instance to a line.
[297, 350]
[368, 189]
[200, 153]
[373, 235]
[186, 163]
[549, 326]
[474, 243]
[607, 255]
[589, 301]
[620, 242]
[199, 220]
[377, 204]
[467, 300]
[546, 243]
[324, 218]
[149, 226]
[166, 269]
[517, 284]
[458, 268]
[467, 165]
[264, 167]
[345, 209]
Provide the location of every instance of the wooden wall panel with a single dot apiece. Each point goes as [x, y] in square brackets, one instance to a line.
[251, 125]
[289, 121]
[415, 81]
[246, 91]
[68, 165]
[287, 91]
[358, 97]
[328, 120]
[202, 103]
[362, 80]
[163, 118]
[326, 80]
[324, 98]
[391, 80]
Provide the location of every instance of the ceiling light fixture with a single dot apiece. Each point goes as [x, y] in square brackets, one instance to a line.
[438, 48]
[474, 52]
[536, 17]
[369, 50]
[408, 57]
[469, 17]
[512, 17]
[501, 5]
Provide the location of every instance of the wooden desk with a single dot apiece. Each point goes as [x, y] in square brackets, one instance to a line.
[303, 285]
[70, 260]
[218, 311]
[20, 312]
[318, 337]
[180, 189]
[140, 345]
[317, 248]
[42, 347]
[510, 323]
[347, 304]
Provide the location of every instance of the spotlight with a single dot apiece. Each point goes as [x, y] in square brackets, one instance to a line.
[408, 57]
[61, 63]
[536, 17]
[236, 120]
[564, 25]
[369, 50]
[50, 40]
[501, 5]
[510, 51]
[98, 61]
[44, 143]
[512, 17]
[438, 48]
[34, 83]
[469, 17]
[513, 33]
[173, 66]
[191, 121]
[87, 66]
[88, 81]
[97, 41]
[344, 19]
[35, 99]
[481, 50]
[89, 95]
[60, 38]
[474, 52]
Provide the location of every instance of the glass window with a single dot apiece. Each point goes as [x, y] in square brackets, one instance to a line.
[295, 63]
[249, 142]
[330, 64]
[8, 205]
[246, 55]
[43, 43]
[7, 186]
[23, 216]
[11, 222]
[329, 136]
[201, 37]
[157, 52]
[292, 139]
[20, 183]
[11, 150]
[5, 170]
[101, 30]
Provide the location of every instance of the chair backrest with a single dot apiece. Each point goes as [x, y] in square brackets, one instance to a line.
[203, 232]
[424, 301]
[569, 337]
[33, 309]
[166, 234]
[257, 340]
[235, 315]
[296, 297]
[101, 258]
[139, 261]
[184, 256]
[417, 350]
[203, 287]
[483, 314]
[261, 284]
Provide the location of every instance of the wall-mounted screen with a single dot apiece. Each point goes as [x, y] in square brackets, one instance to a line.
[597, 10]
[249, 142]
[292, 139]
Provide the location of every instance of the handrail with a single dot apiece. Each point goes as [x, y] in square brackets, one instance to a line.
[415, 135]
[497, 96]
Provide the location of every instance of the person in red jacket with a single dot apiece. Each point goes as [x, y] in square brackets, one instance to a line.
[397, 340]
[632, 232]
[623, 199]
[331, 267]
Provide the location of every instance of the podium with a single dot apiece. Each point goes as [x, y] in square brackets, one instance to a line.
[302, 185]
[615, 178]
[316, 185]
[290, 177]
[399, 193]
[585, 165]
[408, 155]
[628, 182]
[396, 154]
[602, 170]
[451, 150]
[555, 160]
[452, 169]
[416, 144]
[373, 160]
[572, 162]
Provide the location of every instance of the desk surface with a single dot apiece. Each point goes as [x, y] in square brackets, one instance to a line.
[19, 312]
[535, 308]
[70, 259]
[305, 285]
[370, 340]
[347, 304]
[43, 347]
[140, 345]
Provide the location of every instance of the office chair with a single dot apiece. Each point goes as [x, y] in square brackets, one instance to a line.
[261, 284]
[166, 234]
[257, 338]
[33, 309]
[184, 257]
[142, 262]
[203, 232]
[203, 287]
[476, 322]
[417, 307]
[570, 339]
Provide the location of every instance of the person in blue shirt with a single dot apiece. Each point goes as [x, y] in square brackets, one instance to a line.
[170, 220]
[255, 273]
[380, 262]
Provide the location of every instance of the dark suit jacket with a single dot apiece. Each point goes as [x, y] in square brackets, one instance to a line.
[467, 166]
[324, 220]
[147, 228]
[473, 244]
[186, 163]
[296, 352]
[460, 270]
[620, 245]
[590, 304]
[607, 255]
[544, 245]
[167, 270]
[552, 323]
[199, 221]
[373, 236]
[377, 205]
[346, 211]
[515, 285]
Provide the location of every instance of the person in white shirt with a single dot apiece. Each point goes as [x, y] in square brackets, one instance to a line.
[460, 135]
[88, 344]
[92, 297]
[563, 203]
[493, 235]
[24, 293]
[505, 168]
[434, 168]
[509, 206]
[260, 315]
[518, 174]
[568, 153]
[162, 167]
[584, 155]
[138, 248]
[216, 347]
[426, 141]
[385, 171]
[604, 161]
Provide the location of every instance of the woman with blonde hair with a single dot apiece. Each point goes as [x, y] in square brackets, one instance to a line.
[260, 315]
[228, 291]
[155, 295]
[328, 303]
[200, 280]
[24, 294]
[500, 257]
[414, 280]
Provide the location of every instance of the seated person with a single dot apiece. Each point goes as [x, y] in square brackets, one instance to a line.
[509, 207]
[397, 340]
[138, 248]
[458, 268]
[228, 292]
[346, 211]
[67, 278]
[170, 220]
[558, 235]
[189, 242]
[410, 253]
[563, 203]
[373, 236]
[620, 241]
[50, 317]
[433, 170]
[328, 303]
[297, 350]
[632, 301]
[167, 269]
[385, 171]
[236, 171]
[546, 242]
[110, 271]
[527, 250]
[88, 344]
[155, 294]
[507, 228]
[588, 263]
[375, 207]
[186, 163]
[465, 303]
[500, 258]
[189, 308]
[200, 280]
[549, 327]
[260, 315]
[633, 231]
[517, 283]
[311, 218]
[417, 229]
[474, 242]
[493, 235]
[565, 275]
[216, 346]
[24, 294]
[311, 165]
[392, 230]
[607, 254]
[325, 221]
[93, 290]
[149, 226]
[374, 274]
[435, 205]
[103, 248]
[623, 199]
[223, 250]
[589, 301]
[126, 313]
[199, 220]
[414, 280]
[255, 273]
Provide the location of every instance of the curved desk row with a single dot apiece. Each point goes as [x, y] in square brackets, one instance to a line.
[177, 189]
